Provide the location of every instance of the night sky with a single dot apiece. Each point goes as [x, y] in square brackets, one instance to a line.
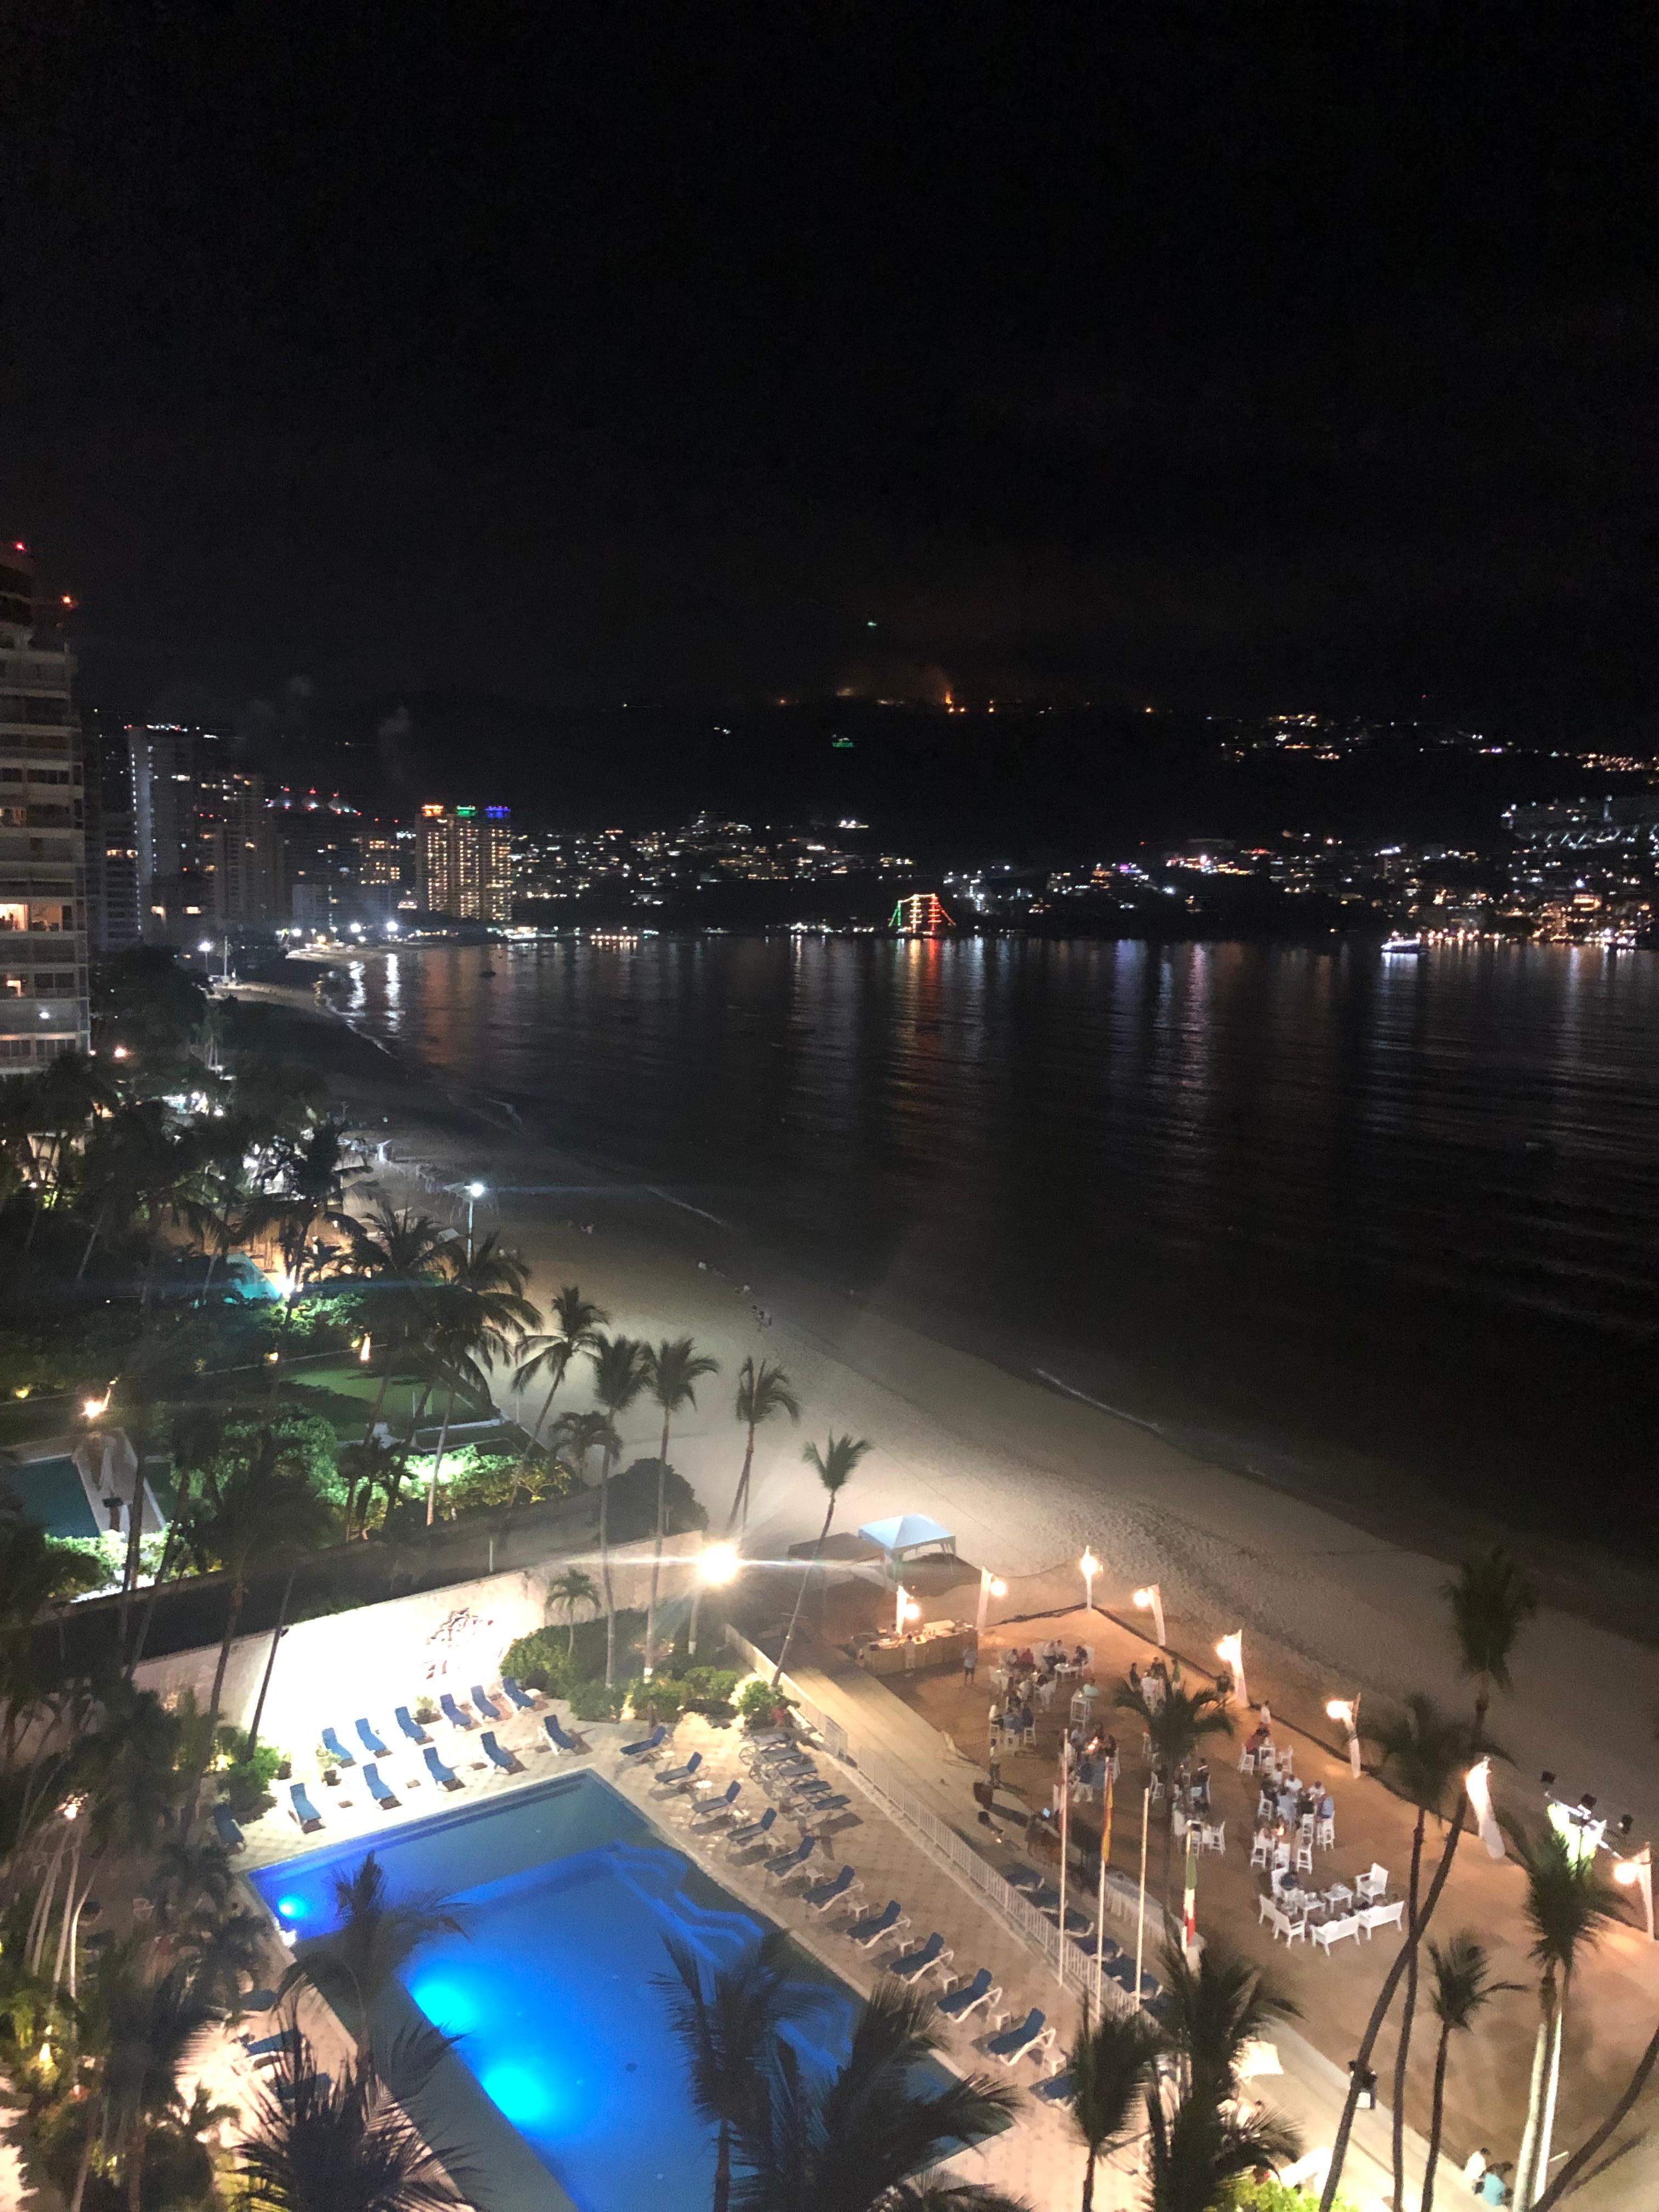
[1226, 356]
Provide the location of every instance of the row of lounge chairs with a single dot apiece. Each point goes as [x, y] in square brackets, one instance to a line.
[512, 1697]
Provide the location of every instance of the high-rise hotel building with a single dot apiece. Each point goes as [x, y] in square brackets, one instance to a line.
[43, 1008]
[465, 862]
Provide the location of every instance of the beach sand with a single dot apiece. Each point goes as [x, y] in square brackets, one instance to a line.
[1024, 1475]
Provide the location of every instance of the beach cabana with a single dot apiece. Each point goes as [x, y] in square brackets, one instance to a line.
[906, 1537]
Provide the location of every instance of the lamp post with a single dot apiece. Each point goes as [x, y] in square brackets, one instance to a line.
[1152, 1599]
[990, 1586]
[906, 1610]
[1636, 1872]
[1089, 1567]
[475, 1191]
[717, 1565]
[1230, 1652]
[1347, 1710]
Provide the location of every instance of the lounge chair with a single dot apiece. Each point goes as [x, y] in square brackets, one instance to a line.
[717, 1808]
[824, 1894]
[410, 1728]
[648, 1746]
[557, 1737]
[811, 1785]
[676, 1777]
[369, 1740]
[305, 1812]
[1011, 2044]
[439, 1772]
[819, 1806]
[484, 1706]
[267, 2046]
[335, 1749]
[874, 1926]
[756, 1831]
[914, 1964]
[384, 1797]
[788, 1863]
[452, 1712]
[968, 1996]
[493, 1751]
[1060, 2088]
[522, 1700]
[1023, 1877]
[229, 1834]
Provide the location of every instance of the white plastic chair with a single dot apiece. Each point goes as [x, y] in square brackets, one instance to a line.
[1293, 1931]
[1267, 1908]
[1281, 1858]
[1325, 1835]
[1371, 1887]
[1383, 1916]
[1304, 1856]
[1261, 1847]
[1212, 1838]
[1335, 1931]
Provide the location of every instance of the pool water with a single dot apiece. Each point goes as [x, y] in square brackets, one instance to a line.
[568, 1893]
[53, 1496]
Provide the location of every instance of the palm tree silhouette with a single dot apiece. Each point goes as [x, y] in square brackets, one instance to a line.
[1492, 1600]
[1462, 1989]
[340, 2142]
[1569, 1908]
[573, 1588]
[376, 1936]
[576, 1322]
[480, 1312]
[855, 2142]
[726, 2018]
[152, 2028]
[1214, 2009]
[1107, 2063]
[399, 1254]
[673, 1369]
[1195, 2148]
[619, 1372]
[834, 1465]
[763, 1392]
[1185, 1719]
[1424, 1753]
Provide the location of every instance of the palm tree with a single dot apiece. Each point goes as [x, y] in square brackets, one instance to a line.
[1178, 1727]
[673, 1369]
[619, 1372]
[1424, 1753]
[1108, 2064]
[375, 1938]
[1391, 1980]
[763, 1392]
[1569, 1909]
[574, 1587]
[1196, 2148]
[1573, 2173]
[1492, 1600]
[856, 2142]
[400, 1254]
[834, 1465]
[311, 1175]
[576, 1322]
[153, 2027]
[726, 2018]
[1463, 1987]
[1215, 2009]
[483, 1312]
[341, 2145]
[260, 1508]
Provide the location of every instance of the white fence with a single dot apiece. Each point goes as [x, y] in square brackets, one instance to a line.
[1074, 1964]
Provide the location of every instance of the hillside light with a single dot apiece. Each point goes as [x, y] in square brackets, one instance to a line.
[1151, 1599]
[1089, 1567]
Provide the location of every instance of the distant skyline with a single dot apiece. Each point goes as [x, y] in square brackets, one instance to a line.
[1269, 362]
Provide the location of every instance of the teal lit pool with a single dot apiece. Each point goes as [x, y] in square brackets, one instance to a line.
[566, 2067]
[53, 1496]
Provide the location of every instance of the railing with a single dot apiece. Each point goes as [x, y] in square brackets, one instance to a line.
[1074, 1964]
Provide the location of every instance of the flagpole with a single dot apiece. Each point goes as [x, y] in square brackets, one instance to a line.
[1065, 1834]
[1141, 1917]
[1100, 1906]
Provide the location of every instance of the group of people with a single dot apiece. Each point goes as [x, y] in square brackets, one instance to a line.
[1284, 1805]
[1151, 1687]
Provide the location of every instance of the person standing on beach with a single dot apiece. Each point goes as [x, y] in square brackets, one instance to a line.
[969, 1662]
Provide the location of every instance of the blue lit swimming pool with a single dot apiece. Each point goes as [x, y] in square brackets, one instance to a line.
[568, 1893]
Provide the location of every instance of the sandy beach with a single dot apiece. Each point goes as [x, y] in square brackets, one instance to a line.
[1025, 1475]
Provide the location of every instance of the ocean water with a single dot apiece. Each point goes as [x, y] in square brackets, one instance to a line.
[1307, 1198]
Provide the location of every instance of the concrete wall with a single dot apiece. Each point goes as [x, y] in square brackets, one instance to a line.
[379, 1656]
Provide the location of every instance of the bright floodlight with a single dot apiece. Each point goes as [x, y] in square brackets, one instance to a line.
[1339, 1710]
[205, 946]
[91, 1407]
[999, 1587]
[911, 1610]
[1628, 1872]
[475, 1190]
[1089, 1564]
[1143, 1598]
[717, 1563]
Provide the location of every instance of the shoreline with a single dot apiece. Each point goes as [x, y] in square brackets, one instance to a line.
[1333, 1593]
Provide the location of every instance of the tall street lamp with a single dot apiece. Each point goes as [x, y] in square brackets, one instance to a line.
[475, 1191]
[990, 1586]
[1151, 1599]
[717, 1565]
[1089, 1567]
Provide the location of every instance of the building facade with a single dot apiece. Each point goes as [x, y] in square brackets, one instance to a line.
[465, 862]
[44, 1007]
[209, 850]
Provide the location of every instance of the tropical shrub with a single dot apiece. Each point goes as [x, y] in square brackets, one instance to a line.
[591, 1701]
[539, 1660]
[246, 1781]
[761, 1706]
[662, 1693]
[1272, 2195]
[709, 1689]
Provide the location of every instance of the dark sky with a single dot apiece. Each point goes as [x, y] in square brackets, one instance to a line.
[1218, 355]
